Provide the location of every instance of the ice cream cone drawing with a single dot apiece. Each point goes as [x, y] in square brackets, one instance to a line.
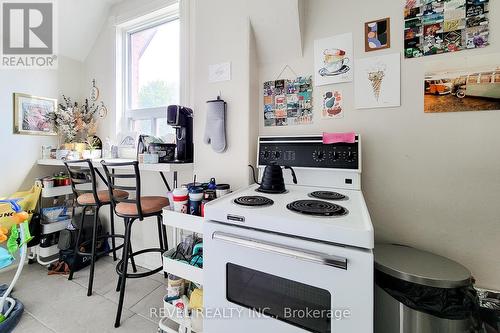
[376, 79]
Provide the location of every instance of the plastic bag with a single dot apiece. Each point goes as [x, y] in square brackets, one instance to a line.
[446, 303]
[28, 203]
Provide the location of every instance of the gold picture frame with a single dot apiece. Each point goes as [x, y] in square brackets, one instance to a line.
[31, 114]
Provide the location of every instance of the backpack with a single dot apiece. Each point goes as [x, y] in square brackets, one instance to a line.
[67, 241]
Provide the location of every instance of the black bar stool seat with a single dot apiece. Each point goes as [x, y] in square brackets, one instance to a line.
[82, 173]
[132, 210]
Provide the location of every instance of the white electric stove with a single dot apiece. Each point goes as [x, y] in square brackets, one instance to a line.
[300, 261]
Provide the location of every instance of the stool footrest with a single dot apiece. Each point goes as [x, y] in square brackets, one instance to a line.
[102, 252]
[119, 265]
[98, 254]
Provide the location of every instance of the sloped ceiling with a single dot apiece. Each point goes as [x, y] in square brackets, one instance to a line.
[276, 25]
[80, 22]
[277, 28]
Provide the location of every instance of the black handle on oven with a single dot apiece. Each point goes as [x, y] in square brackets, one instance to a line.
[289, 251]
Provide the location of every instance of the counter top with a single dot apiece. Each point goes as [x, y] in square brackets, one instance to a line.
[159, 167]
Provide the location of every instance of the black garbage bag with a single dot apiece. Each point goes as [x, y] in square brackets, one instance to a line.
[446, 303]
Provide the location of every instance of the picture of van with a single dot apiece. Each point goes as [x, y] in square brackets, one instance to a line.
[438, 87]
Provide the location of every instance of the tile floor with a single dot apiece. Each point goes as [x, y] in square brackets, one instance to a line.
[54, 304]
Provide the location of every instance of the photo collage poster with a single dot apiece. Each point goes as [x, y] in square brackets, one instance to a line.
[288, 102]
[439, 26]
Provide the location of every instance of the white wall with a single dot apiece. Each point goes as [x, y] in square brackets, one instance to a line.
[218, 37]
[20, 152]
[430, 180]
[222, 33]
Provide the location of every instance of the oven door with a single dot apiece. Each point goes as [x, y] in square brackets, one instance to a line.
[261, 282]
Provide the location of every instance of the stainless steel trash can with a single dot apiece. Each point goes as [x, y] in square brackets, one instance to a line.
[408, 281]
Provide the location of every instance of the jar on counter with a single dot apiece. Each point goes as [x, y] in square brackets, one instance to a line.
[181, 198]
[48, 182]
[195, 198]
[222, 189]
[208, 195]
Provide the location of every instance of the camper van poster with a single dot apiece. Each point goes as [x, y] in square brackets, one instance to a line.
[288, 102]
[441, 26]
[451, 87]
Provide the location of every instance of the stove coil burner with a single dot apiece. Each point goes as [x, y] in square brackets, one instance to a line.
[253, 201]
[316, 208]
[327, 195]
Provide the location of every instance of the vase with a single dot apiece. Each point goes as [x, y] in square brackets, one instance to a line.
[95, 154]
[69, 146]
[86, 154]
[80, 146]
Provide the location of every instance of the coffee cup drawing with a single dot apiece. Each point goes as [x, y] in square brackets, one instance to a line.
[334, 59]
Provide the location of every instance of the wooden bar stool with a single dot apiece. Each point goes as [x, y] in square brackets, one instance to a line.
[82, 172]
[132, 210]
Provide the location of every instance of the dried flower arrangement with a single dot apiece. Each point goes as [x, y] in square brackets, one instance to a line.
[74, 122]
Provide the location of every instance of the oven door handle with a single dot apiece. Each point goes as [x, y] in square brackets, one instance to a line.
[289, 251]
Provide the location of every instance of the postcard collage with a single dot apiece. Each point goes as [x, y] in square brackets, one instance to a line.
[288, 102]
[438, 26]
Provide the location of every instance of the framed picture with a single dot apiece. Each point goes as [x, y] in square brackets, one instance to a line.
[378, 35]
[31, 115]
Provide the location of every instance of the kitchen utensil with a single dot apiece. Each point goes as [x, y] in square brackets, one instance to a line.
[272, 179]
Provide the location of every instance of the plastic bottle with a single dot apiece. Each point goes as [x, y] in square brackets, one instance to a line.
[107, 148]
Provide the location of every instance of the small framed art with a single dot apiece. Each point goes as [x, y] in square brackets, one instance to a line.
[32, 115]
[378, 35]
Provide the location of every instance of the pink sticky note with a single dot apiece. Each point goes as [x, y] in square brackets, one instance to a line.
[339, 137]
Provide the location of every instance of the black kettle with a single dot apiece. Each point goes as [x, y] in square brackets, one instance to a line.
[272, 179]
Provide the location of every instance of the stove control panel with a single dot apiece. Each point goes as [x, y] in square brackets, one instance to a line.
[308, 152]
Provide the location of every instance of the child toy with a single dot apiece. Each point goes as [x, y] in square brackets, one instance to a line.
[17, 239]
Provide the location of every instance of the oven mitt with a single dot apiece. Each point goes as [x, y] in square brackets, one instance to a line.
[215, 130]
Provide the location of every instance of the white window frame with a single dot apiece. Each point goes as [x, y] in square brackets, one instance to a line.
[176, 10]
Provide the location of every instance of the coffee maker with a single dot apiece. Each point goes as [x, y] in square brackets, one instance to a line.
[181, 118]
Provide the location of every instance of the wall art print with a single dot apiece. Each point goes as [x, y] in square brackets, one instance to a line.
[467, 85]
[332, 105]
[377, 82]
[440, 26]
[378, 35]
[333, 60]
[288, 102]
[32, 115]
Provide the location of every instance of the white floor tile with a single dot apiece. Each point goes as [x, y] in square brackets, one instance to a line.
[55, 305]
[105, 277]
[136, 289]
[29, 324]
[151, 306]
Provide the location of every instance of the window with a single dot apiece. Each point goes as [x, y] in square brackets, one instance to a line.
[152, 79]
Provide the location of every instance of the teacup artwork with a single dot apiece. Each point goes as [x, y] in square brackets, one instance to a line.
[334, 59]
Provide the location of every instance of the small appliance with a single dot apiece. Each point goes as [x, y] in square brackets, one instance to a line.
[153, 145]
[296, 261]
[181, 118]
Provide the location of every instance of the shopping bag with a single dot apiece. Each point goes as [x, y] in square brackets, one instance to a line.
[28, 202]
